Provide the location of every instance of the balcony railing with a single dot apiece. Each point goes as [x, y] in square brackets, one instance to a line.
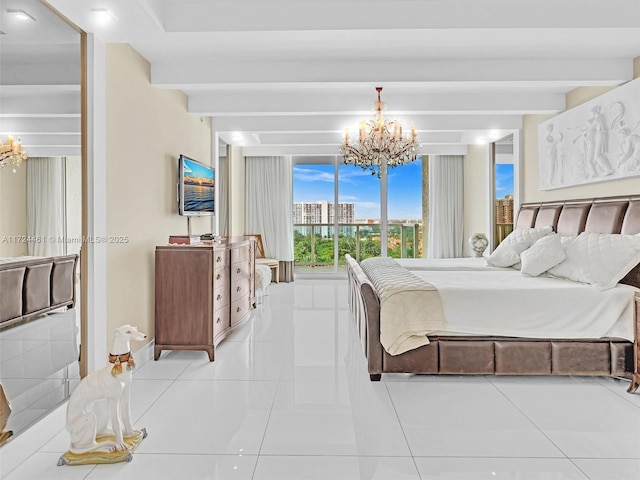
[502, 230]
[314, 251]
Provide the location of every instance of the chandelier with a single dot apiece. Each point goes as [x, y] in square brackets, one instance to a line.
[11, 153]
[380, 143]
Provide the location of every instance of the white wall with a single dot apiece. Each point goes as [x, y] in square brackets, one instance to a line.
[147, 129]
[13, 211]
[476, 194]
[531, 193]
[236, 166]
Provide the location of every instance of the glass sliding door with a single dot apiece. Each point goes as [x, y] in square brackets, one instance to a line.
[359, 213]
[313, 217]
[503, 177]
[404, 211]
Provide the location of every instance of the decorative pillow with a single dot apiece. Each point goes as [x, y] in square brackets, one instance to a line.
[522, 236]
[567, 239]
[599, 259]
[542, 255]
[507, 255]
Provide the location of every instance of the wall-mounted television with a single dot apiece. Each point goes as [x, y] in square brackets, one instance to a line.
[196, 187]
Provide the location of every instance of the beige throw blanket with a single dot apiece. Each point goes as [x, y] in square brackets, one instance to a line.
[410, 307]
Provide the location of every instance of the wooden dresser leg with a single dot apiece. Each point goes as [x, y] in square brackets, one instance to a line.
[375, 377]
[156, 352]
[635, 383]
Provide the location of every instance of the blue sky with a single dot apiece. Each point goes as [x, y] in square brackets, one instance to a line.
[504, 179]
[315, 182]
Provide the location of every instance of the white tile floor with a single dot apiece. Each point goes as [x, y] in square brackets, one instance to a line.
[288, 397]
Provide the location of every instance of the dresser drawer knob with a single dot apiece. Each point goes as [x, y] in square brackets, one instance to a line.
[218, 277]
[238, 309]
[238, 270]
[218, 297]
[218, 260]
[218, 320]
[238, 289]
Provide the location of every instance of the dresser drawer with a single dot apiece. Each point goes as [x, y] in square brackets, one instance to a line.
[239, 288]
[240, 254]
[240, 271]
[240, 309]
[221, 275]
[221, 320]
[221, 296]
[220, 258]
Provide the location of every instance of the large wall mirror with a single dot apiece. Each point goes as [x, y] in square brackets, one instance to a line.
[41, 202]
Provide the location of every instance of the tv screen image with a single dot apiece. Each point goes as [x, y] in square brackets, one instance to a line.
[196, 188]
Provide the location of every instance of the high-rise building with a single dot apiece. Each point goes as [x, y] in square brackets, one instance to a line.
[504, 210]
[322, 212]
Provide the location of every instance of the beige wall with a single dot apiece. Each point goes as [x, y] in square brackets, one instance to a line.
[13, 211]
[531, 193]
[236, 191]
[476, 194]
[147, 128]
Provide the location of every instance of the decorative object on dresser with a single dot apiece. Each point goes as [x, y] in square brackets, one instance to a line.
[203, 292]
[478, 243]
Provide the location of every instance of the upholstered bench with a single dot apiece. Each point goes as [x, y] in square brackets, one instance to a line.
[263, 279]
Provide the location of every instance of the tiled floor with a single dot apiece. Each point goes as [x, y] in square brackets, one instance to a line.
[289, 398]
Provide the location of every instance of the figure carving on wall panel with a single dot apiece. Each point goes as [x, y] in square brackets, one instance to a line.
[629, 159]
[591, 142]
[554, 155]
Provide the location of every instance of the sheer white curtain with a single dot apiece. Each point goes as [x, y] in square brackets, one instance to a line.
[446, 185]
[45, 206]
[269, 207]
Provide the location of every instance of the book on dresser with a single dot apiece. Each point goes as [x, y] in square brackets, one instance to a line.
[184, 239]
[202, 293]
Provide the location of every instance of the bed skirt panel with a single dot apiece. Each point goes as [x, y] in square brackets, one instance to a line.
[509, 356]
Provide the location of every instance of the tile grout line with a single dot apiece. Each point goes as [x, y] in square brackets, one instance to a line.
[413, 458]
[537, 427]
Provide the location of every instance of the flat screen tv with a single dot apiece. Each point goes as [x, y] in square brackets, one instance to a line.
[196, 187]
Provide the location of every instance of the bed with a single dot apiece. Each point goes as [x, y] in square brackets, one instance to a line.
[611, 352]
[32, 286]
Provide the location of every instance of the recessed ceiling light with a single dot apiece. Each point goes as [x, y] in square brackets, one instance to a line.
[20, 15]
[102, 15]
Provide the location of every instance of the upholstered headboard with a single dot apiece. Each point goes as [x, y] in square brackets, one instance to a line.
[601, 215]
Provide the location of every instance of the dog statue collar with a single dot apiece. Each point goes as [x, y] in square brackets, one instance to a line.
[117, 362]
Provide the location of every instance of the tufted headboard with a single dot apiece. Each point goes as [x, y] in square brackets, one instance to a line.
[601, 215]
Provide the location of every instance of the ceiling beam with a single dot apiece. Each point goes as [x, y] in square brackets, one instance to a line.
[561, 71]
[312, 150]
[328, 102]
[335, 138]
[327, 124]
[232, 15]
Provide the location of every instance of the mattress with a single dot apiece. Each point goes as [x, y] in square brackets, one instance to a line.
[455, 264]
[510, 304]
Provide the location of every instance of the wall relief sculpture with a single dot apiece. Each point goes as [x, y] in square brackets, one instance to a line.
[596, 141]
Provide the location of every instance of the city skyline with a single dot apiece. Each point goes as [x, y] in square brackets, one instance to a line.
[315, 182]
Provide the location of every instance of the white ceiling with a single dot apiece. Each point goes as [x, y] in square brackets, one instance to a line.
[288, 76]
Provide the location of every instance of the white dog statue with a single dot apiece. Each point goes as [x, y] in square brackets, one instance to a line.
[100, 406]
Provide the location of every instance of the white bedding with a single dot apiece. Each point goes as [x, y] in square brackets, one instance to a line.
[507, 303]
[447, 264]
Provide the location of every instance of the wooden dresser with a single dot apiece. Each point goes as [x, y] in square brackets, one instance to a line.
[203, 293]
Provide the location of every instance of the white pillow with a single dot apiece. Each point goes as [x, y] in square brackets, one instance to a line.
[507, 255]
[520, 236]
[542, 255]
[599, 259]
